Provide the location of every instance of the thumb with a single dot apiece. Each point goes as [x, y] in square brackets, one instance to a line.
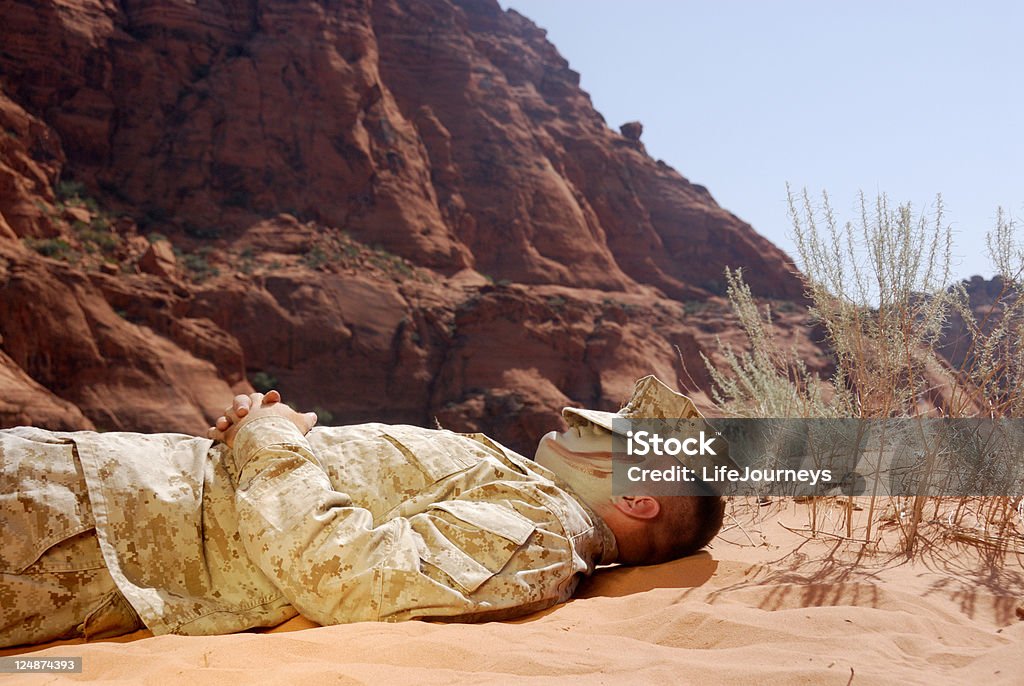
[312, 418]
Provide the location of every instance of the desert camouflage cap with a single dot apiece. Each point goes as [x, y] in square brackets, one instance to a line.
[657, 409]
[651, 399]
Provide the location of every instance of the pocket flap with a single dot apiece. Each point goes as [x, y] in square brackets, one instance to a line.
[491, 517]
[431, 454]
[471, 541]
[43, 498]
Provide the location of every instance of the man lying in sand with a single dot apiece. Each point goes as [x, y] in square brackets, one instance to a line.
[104, 534]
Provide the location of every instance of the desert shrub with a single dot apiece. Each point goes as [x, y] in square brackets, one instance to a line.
[880, 289]
[766, 380]
[994, 361]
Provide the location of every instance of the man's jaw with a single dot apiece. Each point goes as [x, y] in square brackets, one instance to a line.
[595, 463]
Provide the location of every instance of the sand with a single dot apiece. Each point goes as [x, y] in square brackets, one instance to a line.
[768, 604]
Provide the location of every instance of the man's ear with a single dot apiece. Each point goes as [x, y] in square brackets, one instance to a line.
[637, 506]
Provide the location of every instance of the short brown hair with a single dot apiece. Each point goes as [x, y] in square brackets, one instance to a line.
[684, 525]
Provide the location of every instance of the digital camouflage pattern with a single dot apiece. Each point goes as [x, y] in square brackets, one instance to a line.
[365, 522]
[163, 511]
[67, 591]
[651, 400]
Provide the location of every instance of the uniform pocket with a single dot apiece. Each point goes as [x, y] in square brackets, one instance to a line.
[436, 454]
[471, 541]
[43, 497]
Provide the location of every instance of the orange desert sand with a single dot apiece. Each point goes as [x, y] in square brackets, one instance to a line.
[767, 605]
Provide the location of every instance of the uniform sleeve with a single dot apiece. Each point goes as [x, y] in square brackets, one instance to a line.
[460, 559]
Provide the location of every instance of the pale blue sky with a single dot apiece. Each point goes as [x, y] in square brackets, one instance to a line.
[912, 98]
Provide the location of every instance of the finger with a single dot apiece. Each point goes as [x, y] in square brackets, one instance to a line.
[255, 401]
[240, 405]
[312, 418]
[222, 423]
[271, 397]
[215, 434]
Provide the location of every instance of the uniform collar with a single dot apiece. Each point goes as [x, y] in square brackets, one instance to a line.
[609, 546]
[603, 532]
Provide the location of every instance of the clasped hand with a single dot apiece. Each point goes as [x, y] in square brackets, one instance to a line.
[245, 408]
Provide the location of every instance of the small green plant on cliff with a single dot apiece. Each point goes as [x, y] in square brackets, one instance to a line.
[316, 257]
[197, 264]
[74, 194]
[337, 249]
[556, 302]
[97, 236]
[390, 263]
[57, 248]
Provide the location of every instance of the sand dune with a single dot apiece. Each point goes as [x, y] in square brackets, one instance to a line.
[789, 610]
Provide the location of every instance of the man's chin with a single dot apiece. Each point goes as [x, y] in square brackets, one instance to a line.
[544, 453]
[557, 455]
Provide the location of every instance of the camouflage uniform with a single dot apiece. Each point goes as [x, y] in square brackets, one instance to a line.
[365, 522]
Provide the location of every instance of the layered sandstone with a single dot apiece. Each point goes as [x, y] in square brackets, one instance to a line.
[392, 210]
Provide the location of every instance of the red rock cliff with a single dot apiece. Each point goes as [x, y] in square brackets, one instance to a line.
[331, 191]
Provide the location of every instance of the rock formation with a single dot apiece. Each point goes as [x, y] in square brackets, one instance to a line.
[632, 130]
[397, 210]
